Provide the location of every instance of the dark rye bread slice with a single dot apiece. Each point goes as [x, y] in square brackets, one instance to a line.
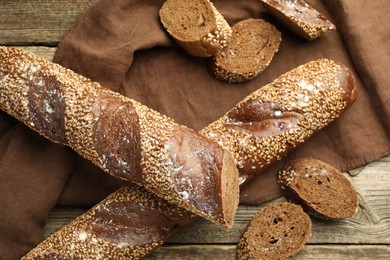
[322, 190]
[299, 17]
[277, 231]
[251, 48]
[196, 25]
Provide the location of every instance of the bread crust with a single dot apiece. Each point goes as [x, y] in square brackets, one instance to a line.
[334, 84]
[121, 136]
[299, 17]
[282, 115]
[128, 224]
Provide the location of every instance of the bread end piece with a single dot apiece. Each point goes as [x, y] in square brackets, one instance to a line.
[196, 25]
[251, 48]
[277, 231]
[299, 17]
[202, 176]
[322, 190]
[229, 189]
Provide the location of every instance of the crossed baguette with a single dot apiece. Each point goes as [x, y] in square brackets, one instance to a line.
[258, 131]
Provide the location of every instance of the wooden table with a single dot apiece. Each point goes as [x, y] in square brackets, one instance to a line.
[38, 26]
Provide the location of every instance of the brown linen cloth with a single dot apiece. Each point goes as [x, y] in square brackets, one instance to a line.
[122, 45]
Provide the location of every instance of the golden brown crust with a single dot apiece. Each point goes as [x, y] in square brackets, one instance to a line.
[273, 120]
[128, 224]
[264, 100]
[93, 114]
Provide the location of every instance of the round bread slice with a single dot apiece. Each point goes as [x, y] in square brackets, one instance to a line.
[299, 17]
[322, 190]
[196, 25]
[277, 231]
[251, 48]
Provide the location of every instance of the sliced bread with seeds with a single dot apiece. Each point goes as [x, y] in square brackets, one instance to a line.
[322, 190]
[196, 25]
[299, 17]
[277, 231]
[251, 48]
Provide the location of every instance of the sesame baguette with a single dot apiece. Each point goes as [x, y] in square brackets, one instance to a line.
[121, 136]
[128, 224]
[196, 25]
[299, 17]
[305, 73]
[278, 117]
[322, 190]
[276, 231]
[251, 48]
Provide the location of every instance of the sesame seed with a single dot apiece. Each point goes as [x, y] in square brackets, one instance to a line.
[286, 92]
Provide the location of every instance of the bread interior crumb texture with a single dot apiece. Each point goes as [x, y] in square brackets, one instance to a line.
[279, 230]
[332, 193]
[189, 19]
[249, 47]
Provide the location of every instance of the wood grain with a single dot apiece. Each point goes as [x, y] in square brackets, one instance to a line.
[45, 52]
[343, 252]
[227, 252]
[43, 22]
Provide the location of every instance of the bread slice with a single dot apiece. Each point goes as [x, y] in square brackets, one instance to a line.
[196, 25]
[277, 231]
[322, 190]
[299, 17]
[251, 48]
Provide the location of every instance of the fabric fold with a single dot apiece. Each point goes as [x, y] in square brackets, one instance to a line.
[122, 45]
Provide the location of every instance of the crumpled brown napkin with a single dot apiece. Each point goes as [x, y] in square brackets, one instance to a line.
[122, 45]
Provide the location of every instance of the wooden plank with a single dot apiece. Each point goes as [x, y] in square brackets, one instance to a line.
[59, 217]
[194, 252]
[308, 252]
[44, 52]
[26, 22]
[344, 252]
[369, 226]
